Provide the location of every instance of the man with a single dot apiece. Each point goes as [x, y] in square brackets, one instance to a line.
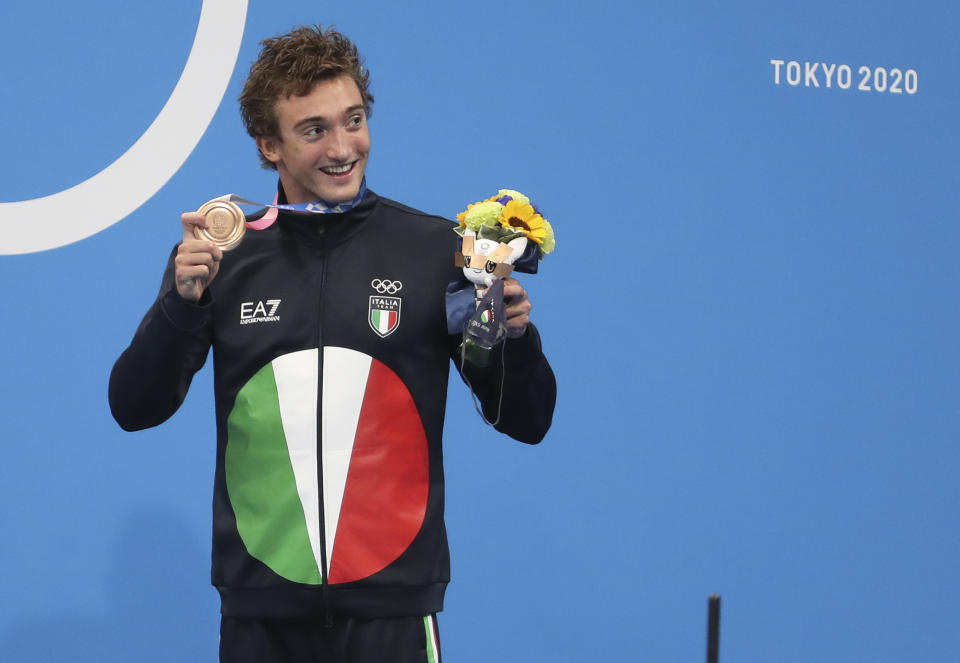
[331, 356]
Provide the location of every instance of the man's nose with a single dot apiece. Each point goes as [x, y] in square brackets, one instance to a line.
[338, 147]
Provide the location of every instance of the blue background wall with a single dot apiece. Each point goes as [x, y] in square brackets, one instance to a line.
[752, 312]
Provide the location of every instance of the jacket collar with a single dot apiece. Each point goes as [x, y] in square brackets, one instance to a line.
[325, 229]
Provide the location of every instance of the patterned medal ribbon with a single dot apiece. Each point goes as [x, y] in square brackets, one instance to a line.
[316, 207]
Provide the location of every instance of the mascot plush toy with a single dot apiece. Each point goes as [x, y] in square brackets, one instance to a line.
[504, 233]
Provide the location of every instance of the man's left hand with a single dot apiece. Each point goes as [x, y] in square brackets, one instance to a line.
[517, 307]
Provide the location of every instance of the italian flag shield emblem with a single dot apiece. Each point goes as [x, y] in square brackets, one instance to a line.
[384, 314]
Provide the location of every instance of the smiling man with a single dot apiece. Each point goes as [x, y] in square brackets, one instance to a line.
[321, 142]
[331, 355]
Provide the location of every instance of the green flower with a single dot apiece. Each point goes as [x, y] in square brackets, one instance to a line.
[549, 242]
[486, 213]
[516, 195]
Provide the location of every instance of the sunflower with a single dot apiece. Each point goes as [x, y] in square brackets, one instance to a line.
[521, 216]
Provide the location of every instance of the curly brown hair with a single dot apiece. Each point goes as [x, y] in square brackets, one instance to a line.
[290, 65]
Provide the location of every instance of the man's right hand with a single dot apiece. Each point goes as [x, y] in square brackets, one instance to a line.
[197, 261]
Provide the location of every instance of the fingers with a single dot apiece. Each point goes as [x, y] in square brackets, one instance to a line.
[190, 221]
[518, 307]
[197, 260]
[514, 294]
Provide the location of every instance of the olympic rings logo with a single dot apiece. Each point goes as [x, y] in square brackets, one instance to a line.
[386, 286]
[116, 191]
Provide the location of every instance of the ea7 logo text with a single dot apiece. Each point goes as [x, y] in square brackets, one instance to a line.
[251, 312]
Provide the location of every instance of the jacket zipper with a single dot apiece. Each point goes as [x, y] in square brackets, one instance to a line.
[324, 585]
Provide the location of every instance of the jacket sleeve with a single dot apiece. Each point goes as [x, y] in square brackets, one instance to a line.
[150, 379]
[529, 388]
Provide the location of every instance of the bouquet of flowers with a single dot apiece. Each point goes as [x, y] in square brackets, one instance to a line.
[500, 234]
[505, 217]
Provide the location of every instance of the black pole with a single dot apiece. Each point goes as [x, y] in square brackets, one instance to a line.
[713, 628]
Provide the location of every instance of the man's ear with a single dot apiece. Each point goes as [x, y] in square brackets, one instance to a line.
[269, 147]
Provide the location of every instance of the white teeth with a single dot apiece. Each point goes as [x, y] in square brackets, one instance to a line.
[337, 170]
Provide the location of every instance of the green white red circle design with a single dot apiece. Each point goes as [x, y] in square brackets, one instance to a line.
[370, 472]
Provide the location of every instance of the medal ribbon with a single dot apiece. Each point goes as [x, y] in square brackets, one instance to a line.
[316, 207]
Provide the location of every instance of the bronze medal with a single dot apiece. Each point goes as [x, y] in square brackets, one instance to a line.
[225, 224]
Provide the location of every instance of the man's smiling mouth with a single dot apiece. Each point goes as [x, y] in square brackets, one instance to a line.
[338, 170]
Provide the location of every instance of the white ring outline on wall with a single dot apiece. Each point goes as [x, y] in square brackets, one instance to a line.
[28, 226]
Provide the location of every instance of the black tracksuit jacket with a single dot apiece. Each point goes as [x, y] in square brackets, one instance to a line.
[331, 358]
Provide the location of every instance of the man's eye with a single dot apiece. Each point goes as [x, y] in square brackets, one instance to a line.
[355, 121]
[314, 131]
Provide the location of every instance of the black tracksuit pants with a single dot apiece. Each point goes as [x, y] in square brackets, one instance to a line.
[393, 640]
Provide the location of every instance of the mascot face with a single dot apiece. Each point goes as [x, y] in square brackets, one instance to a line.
[485, 260]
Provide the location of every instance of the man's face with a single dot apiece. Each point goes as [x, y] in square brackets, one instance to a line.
[324, 142]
